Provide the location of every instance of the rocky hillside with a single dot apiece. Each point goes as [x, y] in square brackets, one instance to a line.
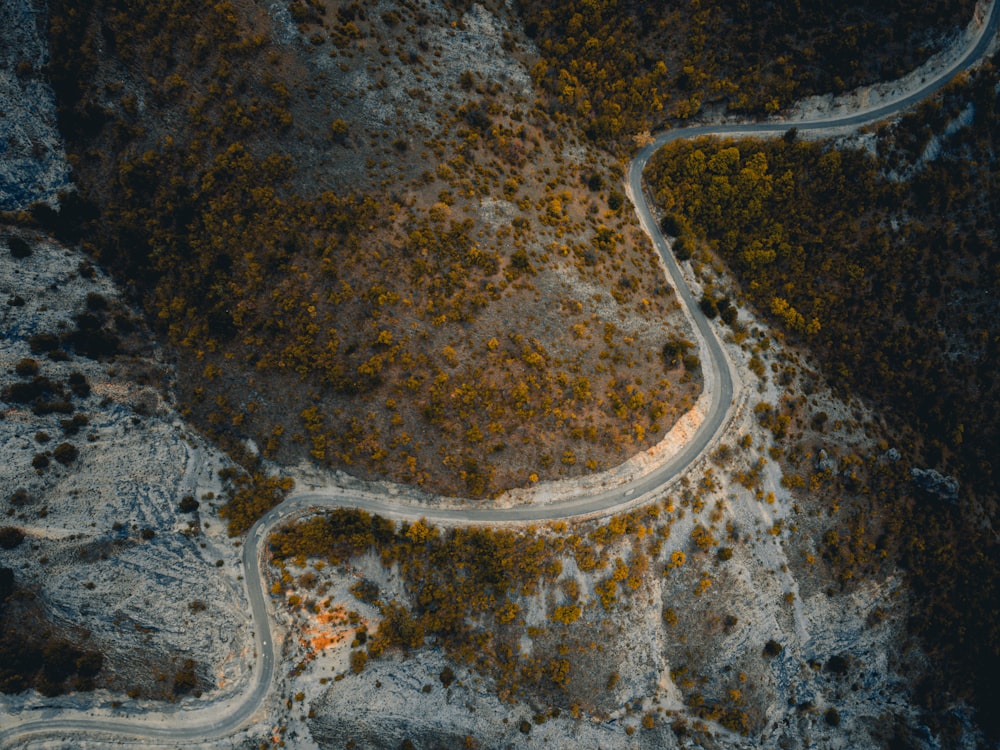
[901, 225]
[108, 529]
[744, 607]
[32, 160]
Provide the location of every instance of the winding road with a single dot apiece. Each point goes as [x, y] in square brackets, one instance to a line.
[222, 720]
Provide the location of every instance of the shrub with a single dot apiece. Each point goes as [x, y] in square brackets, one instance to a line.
[96, 302]
[73, 425]
[66, 453]
[683, 248]
[42, 407]
[10, 537]
[33, 391]
[308, 580]
[691, 362]
[670, 225]
[18, 247]
[89, 663]
[832, 717]
[26, 367]
[359, 659]
[772, 648]
[91, 340]
[837, 665]
[708, 306]
[19, 496]
[366, 591]
[185, 679]
[338, 130]
[78, 384]
[729, 315]
[40, 461]
[674, 350]
[188, 504]
[43, 342]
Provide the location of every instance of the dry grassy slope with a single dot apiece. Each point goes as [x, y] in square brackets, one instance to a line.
[503, 320]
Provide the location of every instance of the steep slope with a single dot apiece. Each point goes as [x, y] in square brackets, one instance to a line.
[879, 253]
[32, 160]
[713, 617]
[621, 67]
[366, 243]
[118, 581]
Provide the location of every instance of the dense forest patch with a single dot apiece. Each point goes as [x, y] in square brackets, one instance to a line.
[625, 66]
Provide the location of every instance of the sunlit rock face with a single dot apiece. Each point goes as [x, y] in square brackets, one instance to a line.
[32, 161]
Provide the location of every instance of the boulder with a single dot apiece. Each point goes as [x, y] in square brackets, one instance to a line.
[934, 483]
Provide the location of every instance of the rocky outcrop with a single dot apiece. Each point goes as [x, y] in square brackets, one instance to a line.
[825, 463]
[891, 456]
[936, 484]
[32, 161]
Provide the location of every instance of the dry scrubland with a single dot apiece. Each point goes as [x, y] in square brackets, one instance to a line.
[438, 281]
[781, 552]
[744, 607]
[369, 245]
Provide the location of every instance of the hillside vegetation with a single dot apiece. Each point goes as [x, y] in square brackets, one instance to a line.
[622, 66]
[392, 240]
[372, 248]
[458, 298]
[883, 262]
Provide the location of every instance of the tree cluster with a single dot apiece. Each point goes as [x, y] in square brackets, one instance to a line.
[621, 67]
[325, 301]
[466, 587]
[32, 653]
[885, 265]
